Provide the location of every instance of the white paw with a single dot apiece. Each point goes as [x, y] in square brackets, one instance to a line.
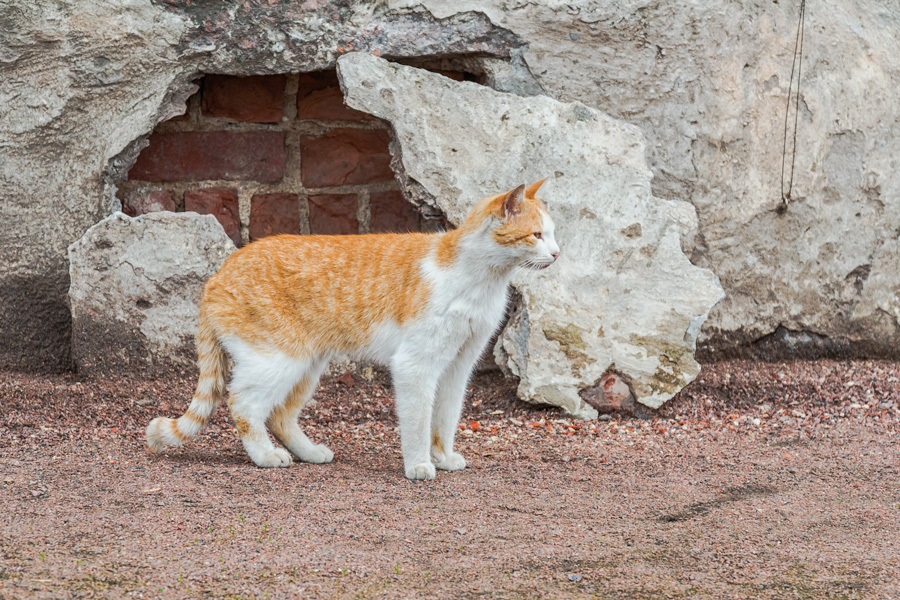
[274, 458]
[452, 462]
[318, 454]
[420, 471]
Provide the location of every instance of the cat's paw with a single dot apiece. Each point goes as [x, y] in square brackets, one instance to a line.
[276, 457]
[318, 454]
[420, 471]
[451, 462]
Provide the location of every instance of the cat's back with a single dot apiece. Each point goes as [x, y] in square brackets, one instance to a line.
[312, 256]
[323, 282]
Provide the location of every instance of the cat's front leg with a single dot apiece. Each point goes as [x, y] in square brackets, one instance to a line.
[449, 403]
[416, 376]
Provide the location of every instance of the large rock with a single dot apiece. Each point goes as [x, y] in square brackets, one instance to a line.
[623, 296]
[136, 288]
[707, 82]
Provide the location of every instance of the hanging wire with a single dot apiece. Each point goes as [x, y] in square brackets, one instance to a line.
[798, 62]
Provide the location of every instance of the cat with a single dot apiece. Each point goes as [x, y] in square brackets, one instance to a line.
[424, 304]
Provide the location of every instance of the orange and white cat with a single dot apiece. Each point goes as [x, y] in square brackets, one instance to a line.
[423, 304]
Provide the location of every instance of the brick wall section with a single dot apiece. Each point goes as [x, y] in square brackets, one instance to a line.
[319, 97]
[390, 212]
[273, 214]
[206, 155]
[331, 214]
[140, 201]
[222, 203]
[255, 99]
[273, 154]
[345, 157]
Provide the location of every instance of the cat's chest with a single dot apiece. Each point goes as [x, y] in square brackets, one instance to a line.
[474, 304]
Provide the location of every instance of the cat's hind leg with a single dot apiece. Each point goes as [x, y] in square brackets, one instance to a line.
[251, 426]
[283, 420]
[260, 381]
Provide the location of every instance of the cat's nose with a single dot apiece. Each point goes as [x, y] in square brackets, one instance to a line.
[555, 255]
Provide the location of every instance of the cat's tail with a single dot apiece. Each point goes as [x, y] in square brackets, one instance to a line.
[213, 363]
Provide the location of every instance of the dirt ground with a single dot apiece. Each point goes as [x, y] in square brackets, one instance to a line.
[758, 481]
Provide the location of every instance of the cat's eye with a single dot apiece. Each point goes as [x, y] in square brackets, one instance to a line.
[537, 234]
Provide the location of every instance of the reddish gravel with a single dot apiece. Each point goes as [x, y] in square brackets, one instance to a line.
[758, 481]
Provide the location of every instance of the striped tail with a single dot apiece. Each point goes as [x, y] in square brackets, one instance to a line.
[213, 363]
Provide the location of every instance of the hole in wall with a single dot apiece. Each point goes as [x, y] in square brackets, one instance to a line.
[272, 154]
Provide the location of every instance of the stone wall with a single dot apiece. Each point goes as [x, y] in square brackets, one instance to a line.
[83, 83]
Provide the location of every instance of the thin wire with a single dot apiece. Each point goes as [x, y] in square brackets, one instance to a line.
[798, 61]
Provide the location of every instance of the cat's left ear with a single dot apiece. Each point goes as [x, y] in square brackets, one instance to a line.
[534, 187]
[512, 204]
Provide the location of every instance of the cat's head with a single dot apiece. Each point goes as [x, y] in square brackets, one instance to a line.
[516, 228]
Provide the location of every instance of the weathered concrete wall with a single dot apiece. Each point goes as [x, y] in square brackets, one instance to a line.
[81, 80]
[706, 82]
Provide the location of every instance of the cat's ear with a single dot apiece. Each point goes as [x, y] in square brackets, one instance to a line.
[534, 187]
[512, 204]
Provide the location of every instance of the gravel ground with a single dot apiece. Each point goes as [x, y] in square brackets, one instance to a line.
[759, 481]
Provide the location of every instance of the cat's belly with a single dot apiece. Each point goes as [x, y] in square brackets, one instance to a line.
[381, 346]
[431, 337]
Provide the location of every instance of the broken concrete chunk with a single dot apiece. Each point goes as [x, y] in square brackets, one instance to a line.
[623, 295]
[136, 285]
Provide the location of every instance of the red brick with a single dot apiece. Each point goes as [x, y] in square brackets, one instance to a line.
[333, 214]
[203, 155]
[222, 203]
[392, 213]
[254, 99]
[141, 201]
[345, 157]
[319, 97]
[271, 214]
